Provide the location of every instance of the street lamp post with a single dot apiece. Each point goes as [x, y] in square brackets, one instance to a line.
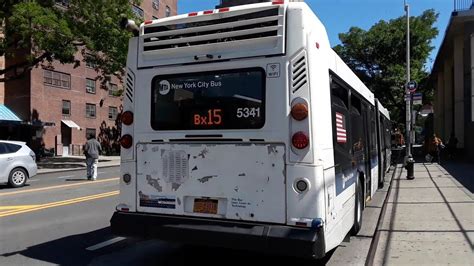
[409, 157]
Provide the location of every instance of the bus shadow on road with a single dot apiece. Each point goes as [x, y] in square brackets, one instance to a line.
[213, 256]
[72, 250]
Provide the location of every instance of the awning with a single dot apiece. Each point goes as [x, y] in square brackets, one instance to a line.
[71, 124]
[7, 115]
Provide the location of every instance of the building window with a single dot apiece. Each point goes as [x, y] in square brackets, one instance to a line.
[89, 132]
[90, 110]
[90, 86]
[155, 4]
[57, 79]
[66, 107]
[168, 11]
[89, 64]
[138, 11]
[113, 111]
[113, 90]
[64, 3]
[90, 61]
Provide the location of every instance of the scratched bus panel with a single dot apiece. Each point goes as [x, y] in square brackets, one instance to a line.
[232, 181]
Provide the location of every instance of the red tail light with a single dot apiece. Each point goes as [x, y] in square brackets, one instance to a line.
[300, 140]
[127, 118]
[126, 141]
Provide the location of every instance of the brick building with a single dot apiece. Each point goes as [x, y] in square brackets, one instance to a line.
[62, 105]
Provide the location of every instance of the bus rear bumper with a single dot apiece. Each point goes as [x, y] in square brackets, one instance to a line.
[279, 239]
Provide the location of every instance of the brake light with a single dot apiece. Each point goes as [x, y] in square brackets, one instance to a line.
[299, 111]
[127, 118]
[300, 140]
[126, 141]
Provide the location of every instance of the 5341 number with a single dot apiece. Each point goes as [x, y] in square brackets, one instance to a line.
[246, 112]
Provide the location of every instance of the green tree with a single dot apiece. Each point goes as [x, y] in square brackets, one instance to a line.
[40, 31]
[378, 57]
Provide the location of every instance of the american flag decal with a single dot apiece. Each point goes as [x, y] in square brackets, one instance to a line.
[341, 132]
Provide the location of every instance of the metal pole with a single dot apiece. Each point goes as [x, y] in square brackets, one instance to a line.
[409, 158]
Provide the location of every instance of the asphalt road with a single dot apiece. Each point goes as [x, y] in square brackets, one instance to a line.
[63, 219]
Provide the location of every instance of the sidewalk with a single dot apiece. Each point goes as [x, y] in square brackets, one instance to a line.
[57, 164]
[429, 220]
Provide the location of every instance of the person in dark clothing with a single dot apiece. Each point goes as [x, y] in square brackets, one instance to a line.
[452, 145]
[436, 144]
[92, 150]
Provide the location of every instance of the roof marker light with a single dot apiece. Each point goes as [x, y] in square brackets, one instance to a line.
[278, 2]
[148, 22]
[192, 14]
[224, 9]
[207, 12]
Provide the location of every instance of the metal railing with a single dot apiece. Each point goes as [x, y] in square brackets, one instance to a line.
[460, 5]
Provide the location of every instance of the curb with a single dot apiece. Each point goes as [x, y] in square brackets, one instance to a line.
[375, 239]
[49, 171]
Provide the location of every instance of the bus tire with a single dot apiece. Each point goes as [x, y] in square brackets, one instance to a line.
[359, 208]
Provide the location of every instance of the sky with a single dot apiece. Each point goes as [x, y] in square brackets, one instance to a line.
[339, 15]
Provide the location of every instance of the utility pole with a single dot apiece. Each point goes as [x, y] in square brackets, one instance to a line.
[409, 157]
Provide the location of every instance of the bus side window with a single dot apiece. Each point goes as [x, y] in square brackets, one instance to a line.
[357, 129]
[341, 126]
[373, 136]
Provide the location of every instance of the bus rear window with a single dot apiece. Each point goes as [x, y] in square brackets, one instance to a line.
[231, 99]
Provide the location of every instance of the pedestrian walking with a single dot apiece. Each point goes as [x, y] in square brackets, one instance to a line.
[435, 147]
[92, 150]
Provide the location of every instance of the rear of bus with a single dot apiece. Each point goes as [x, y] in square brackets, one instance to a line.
[217, 143]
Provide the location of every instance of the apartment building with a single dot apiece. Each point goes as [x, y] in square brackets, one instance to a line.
[60, 105]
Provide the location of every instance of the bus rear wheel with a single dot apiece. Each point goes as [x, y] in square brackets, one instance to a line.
[359, 207]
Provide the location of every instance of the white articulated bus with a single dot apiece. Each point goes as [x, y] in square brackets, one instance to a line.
[243, 128]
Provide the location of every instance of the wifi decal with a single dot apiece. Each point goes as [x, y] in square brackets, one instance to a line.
[273, 70]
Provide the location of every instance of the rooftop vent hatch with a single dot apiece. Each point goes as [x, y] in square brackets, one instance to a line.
[262, 27]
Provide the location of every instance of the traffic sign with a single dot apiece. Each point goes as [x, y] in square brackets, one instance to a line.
[418, 98]
[412, 86]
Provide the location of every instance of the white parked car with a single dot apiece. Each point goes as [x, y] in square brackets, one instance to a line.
[17, 163]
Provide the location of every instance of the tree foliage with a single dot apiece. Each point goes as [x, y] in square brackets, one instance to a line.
[378, 57]
[60, 30]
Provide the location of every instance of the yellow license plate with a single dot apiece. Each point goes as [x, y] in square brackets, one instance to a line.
[208, 206]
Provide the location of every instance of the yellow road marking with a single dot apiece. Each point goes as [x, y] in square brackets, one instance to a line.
[59, 203]
[17, 207]
[59, 186]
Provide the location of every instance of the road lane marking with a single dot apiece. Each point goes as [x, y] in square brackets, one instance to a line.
[60, 203]
[64, 177]
[59, 186]
[105, 243]
[17, 207]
